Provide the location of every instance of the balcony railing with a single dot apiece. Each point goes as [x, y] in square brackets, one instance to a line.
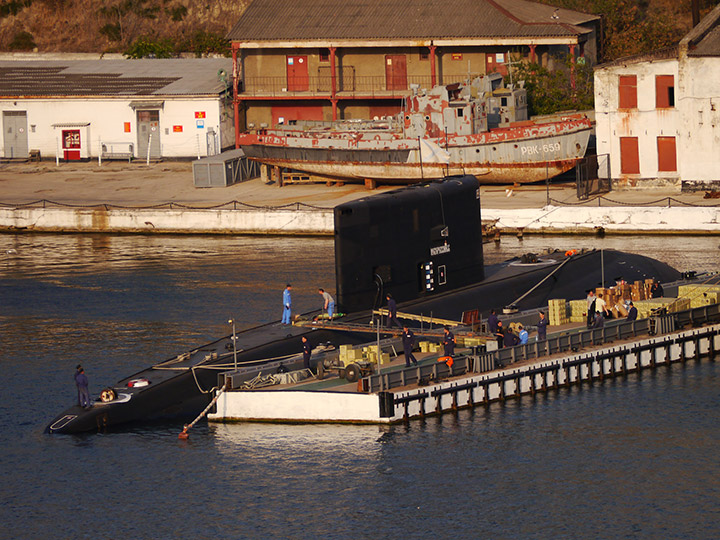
[348, 85]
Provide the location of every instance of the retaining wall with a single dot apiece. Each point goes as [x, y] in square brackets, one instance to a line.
[211, 221]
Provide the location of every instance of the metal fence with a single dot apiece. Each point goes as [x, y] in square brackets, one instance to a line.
[348, 84]
[481, 362]
[588, 176]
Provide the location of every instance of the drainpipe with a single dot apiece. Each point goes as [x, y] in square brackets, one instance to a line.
[433, 77]
[333, 83]
[572, 66]
[236, 102]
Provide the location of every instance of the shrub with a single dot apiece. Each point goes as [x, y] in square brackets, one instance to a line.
[23, 41]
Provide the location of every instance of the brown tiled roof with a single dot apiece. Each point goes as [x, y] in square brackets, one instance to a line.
[112, 77]
[318, 20]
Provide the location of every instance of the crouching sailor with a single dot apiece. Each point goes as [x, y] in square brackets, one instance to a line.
[81, 381]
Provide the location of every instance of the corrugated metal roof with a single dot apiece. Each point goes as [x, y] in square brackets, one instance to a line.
[709, 45]
[185, 76]
[279, 20]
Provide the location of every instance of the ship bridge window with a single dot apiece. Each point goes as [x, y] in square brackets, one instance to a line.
[460, 113]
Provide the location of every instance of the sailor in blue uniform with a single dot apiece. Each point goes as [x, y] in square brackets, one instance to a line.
[81, 381]
[408, 341]
[287, 303]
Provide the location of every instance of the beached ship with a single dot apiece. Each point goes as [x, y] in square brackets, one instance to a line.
[478, 127]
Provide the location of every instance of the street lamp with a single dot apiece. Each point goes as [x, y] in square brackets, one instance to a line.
[232, 321]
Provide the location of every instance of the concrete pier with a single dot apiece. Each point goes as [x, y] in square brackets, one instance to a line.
[405, 403]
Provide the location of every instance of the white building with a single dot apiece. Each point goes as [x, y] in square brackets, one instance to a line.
[658, 114]
[79, 109]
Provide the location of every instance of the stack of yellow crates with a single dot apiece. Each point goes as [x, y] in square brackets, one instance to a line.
[700, 295]
[371, 355]
[557, 312]
[673, 305]
[348, 355]
[429, 347]
[578, 310]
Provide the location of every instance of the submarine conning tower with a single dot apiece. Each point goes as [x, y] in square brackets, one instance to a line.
[413, 242]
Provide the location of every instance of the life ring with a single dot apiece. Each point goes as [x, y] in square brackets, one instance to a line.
[570, 252]
[108, 395]
[138, 383]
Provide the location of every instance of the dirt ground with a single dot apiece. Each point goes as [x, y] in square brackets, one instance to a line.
[137, 184]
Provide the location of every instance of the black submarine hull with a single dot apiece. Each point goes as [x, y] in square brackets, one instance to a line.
[423, 245]
[183, 394]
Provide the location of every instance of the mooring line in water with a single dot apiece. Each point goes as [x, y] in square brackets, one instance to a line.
[184, 433]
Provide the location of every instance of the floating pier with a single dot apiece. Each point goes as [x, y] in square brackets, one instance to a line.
[479, 378]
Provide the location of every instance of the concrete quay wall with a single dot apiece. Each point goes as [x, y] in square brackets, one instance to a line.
[613, 220]
[169, 221]
[306, 221]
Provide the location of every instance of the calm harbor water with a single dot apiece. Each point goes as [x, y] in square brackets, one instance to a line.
[629, 458]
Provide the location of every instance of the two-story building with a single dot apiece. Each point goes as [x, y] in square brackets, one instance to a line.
[658, 114]
[318, 60]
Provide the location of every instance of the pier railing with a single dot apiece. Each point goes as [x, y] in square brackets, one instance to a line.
[571, 341]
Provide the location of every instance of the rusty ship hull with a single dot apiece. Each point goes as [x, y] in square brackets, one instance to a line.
[523, 154]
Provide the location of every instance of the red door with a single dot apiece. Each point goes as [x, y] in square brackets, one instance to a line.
[297, 74]
[629, 155]
[71, 144]
[495, 63]
[667, 155]
[395, 72]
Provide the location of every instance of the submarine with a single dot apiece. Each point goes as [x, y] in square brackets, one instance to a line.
[422, 244]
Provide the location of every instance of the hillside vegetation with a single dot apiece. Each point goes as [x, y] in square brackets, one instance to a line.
[167, 27]
[158, 27]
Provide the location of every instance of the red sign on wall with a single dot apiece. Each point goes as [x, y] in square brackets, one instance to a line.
[177, 129]
[199, 114]
[127, 127]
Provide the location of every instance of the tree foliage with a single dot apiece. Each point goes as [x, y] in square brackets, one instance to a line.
[636, 26]
[150, 47]
[568, 86]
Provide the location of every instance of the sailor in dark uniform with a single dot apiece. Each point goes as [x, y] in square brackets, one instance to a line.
[448, 342]
[392, 311]
[81, 381]
[408, 341]
[307, 351]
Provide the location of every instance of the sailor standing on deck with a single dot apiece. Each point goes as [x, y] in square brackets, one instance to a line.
[408, 341]
[307, 351]
[542, 327]
[492, 322]
[448, 342]
[287, 304]
[328, 303]
[81, 381]
[392, 311]
[591, 308]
